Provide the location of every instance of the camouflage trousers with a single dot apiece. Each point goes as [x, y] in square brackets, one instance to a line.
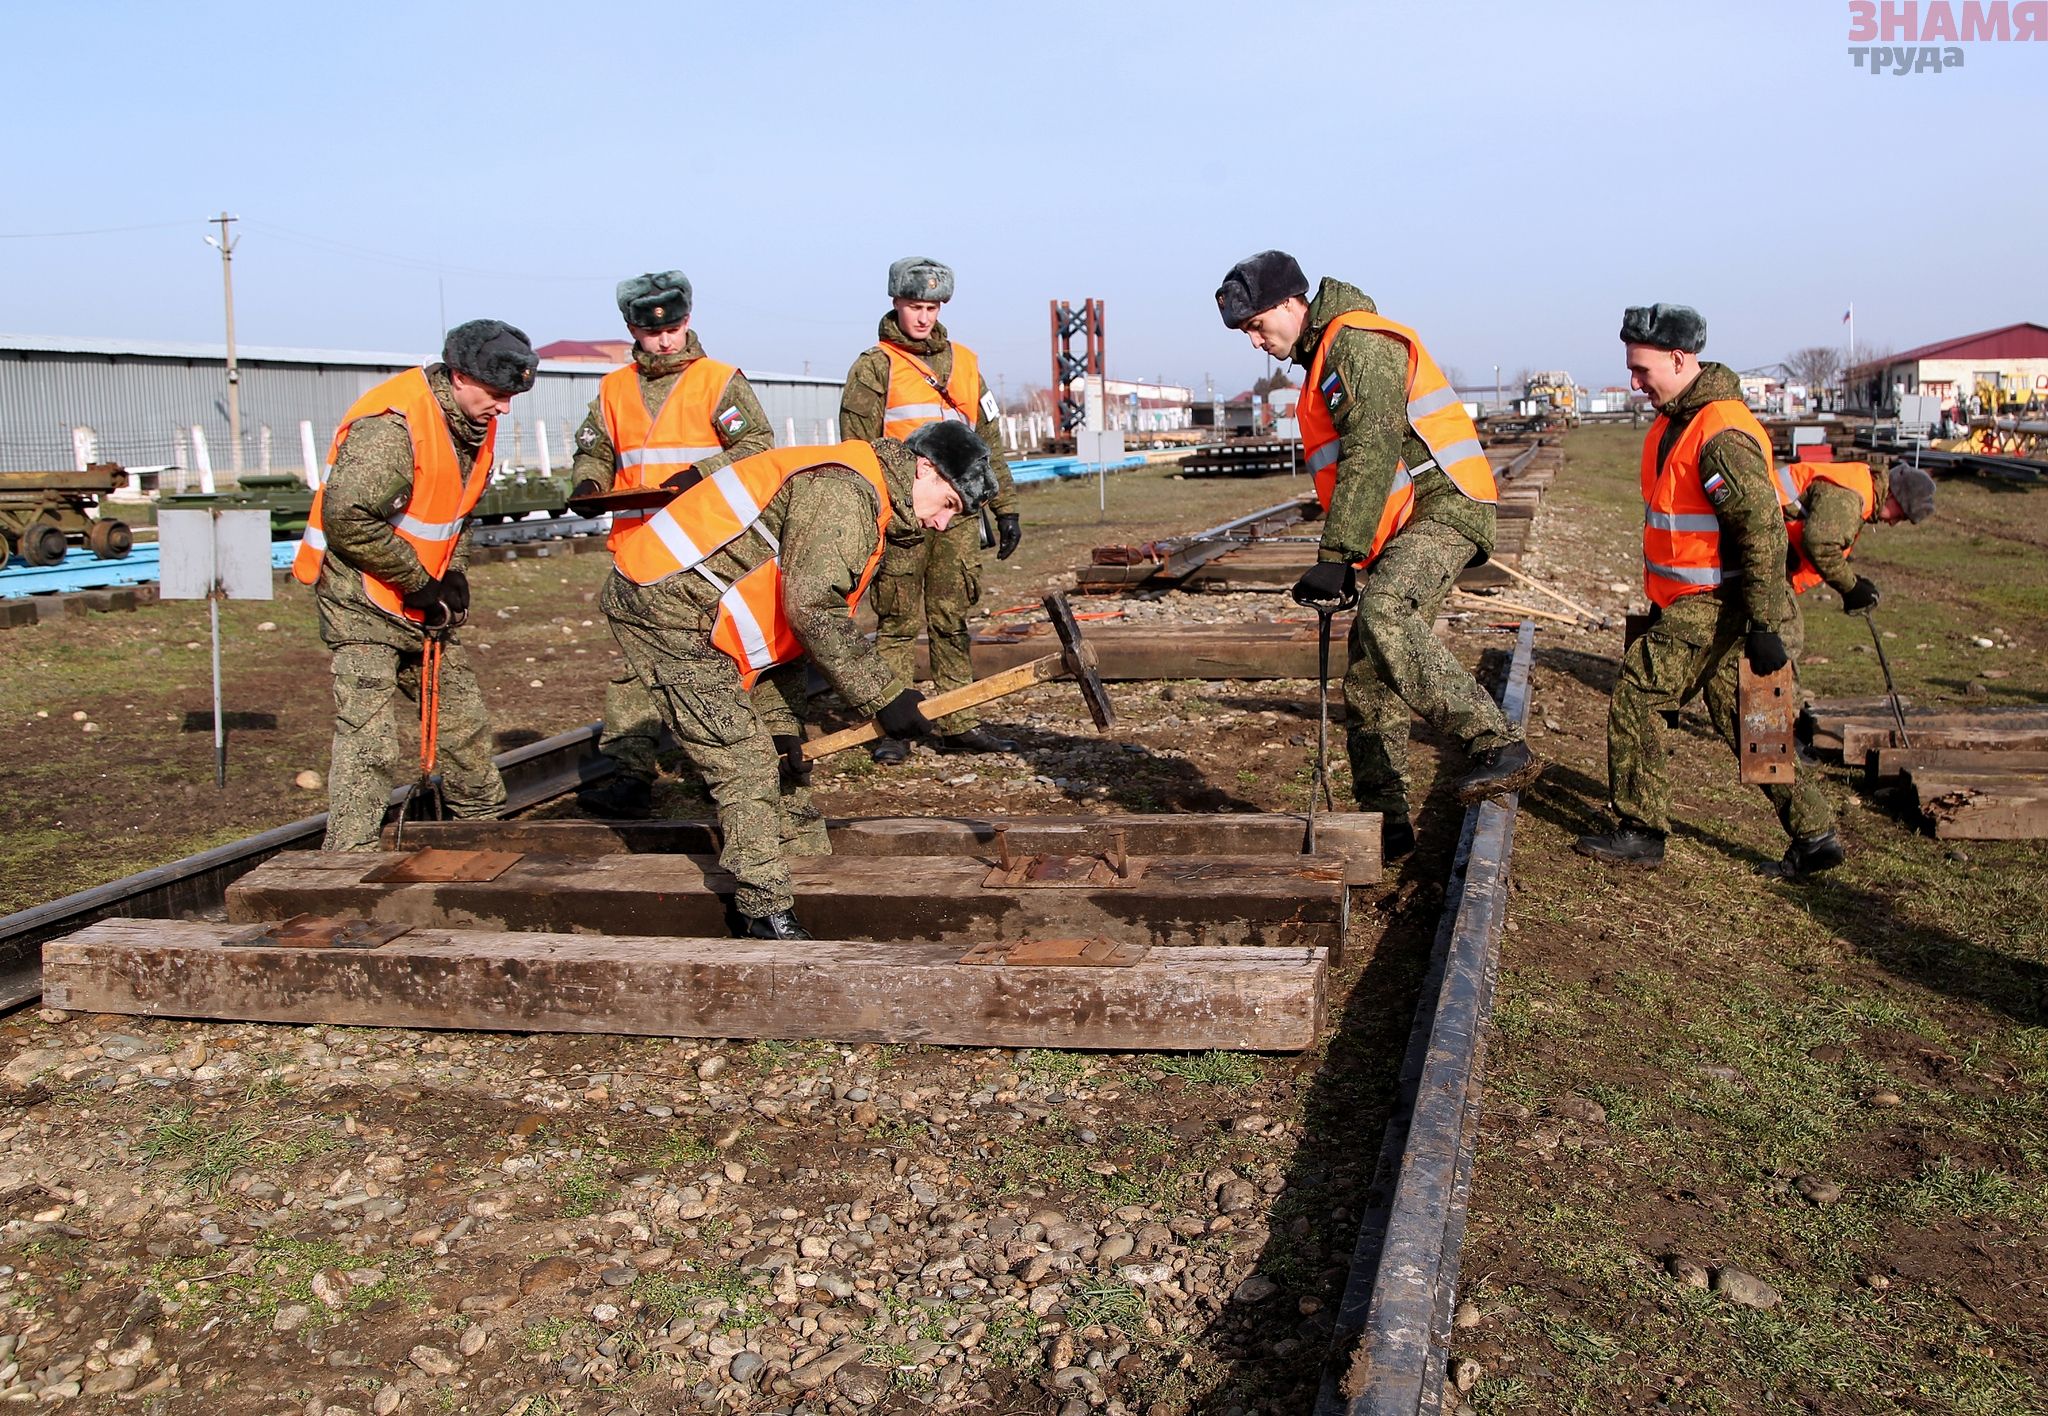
[928, 589]
[631, 735]
[1398, 664]
[1694, 647]
[370, 757]
[765, 815]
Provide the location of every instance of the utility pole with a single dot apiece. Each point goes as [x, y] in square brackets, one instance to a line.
[1496, 388]
[227, 282]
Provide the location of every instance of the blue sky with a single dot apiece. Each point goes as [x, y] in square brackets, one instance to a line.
[1504, 177]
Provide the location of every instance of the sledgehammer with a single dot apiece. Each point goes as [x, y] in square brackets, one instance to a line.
[1075, 658]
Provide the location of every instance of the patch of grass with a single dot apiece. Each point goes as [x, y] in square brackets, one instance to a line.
[1136, 1165]
[769, 1055]
[1967, 1192]
[586, 1188]
[543, 1336]
[1012, 1340]
[682, 1150]
[1234, 1070]
[282, 1275]
[1050, 1067]
[1114, 1305]
[669, 1297]
[205, 1153]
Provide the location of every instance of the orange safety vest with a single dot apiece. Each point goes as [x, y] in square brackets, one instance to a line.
[1854, 476]
[649, 450]
[1434, 412]
[751, 626]
[1681, 531]
[916, 396]
[432, 518]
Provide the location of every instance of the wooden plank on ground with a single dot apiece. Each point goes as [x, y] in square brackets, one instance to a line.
[1269, 1000]
[1131, 652]
[1981, 808]
[1270, 901]
[1890, 762]
[1961, 730]
[1352, 835]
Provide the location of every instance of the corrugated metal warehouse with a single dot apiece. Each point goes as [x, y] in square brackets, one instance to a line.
[139, 400]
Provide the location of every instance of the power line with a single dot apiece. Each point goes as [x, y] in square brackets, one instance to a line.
[92, 231]
[327, 243]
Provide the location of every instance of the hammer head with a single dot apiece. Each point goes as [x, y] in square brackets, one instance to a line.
[1080, 660]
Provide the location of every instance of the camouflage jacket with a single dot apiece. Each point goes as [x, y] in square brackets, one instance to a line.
[370, 481]
[866, 395]
[1753, 544]
[1373, 433]
[824, 521]
[1834, 519]
[596, 459]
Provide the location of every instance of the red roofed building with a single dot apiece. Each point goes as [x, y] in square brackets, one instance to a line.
[2010, 364]
[594, 351]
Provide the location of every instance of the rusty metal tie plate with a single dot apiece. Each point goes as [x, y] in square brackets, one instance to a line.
[435, 865]
[1095, 952]
[1767, 708]
[311, 931]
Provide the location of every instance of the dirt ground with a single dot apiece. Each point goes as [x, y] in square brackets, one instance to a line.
[235, 1218]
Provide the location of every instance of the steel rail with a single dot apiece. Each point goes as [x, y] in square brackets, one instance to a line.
[1387, 1354]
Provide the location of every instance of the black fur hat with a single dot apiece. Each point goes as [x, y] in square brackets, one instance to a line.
[961, 457]
[493, 353]
[1664, 327]
[655, 300]
[1258, 283]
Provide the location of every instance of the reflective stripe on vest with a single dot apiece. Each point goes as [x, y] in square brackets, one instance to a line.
[1434, 412]
[750, 626]
[1681, 530]
[441, 500]
[913, 397]
[684, 432]
[1850, 476]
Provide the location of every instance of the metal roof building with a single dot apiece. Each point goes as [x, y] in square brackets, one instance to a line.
[2008, 365]
[138, 400]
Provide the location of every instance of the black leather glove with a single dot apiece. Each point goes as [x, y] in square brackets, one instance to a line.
[790, 748]
[899, 716]
[1330, 584]
[455, 593]
[430, 600]
[1766, 651]
[581, 492]
[1862, 595]
[1009, 532]
[681, 480]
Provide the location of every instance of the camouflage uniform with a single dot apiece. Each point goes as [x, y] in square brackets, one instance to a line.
[1397, 662]
[377, 655]
[1834, 519]
[928, 580]
[824, 522]
[632, 725]
[1693, 646]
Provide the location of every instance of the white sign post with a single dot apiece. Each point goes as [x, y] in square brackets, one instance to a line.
[214, 556]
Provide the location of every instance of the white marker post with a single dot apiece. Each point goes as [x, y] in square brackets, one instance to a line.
[308, 450]
[212, 556]
[199, 456]
[540, 437]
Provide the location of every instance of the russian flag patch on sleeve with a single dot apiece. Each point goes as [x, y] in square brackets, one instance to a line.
[1332, 389]
[731, 421]
[1717, 489]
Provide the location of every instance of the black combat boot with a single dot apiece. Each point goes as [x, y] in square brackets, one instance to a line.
[622, 797]
[889, 751]
[1397, 839]
[974, 740]
[1624, 845]
[1498, 771]
[780, 925]
[1805, 858]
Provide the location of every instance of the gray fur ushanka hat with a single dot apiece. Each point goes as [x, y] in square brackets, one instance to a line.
[495, 354]
[1664, 327]
[920, 278]
[655, 300]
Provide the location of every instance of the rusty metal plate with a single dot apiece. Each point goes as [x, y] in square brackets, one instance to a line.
[311, 931]
[436, 865]
[1063, 872]
[1096, 952]
[1767, 707]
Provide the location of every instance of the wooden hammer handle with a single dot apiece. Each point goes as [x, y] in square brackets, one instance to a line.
[973, 695]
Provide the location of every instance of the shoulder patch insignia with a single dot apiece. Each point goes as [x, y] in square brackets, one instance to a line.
[586, 436]
[1717, 489]
[1332, 389]
[731, 421]
[989, 407]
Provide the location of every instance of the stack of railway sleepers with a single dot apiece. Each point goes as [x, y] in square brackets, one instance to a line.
[1972, 774]
[1082, 932]
[1245, 457]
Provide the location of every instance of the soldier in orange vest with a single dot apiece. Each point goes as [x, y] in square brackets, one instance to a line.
[384, 551]
[929, 582]
[1410, 499]
[1714, 552]
[670, 418]
[719, 598]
